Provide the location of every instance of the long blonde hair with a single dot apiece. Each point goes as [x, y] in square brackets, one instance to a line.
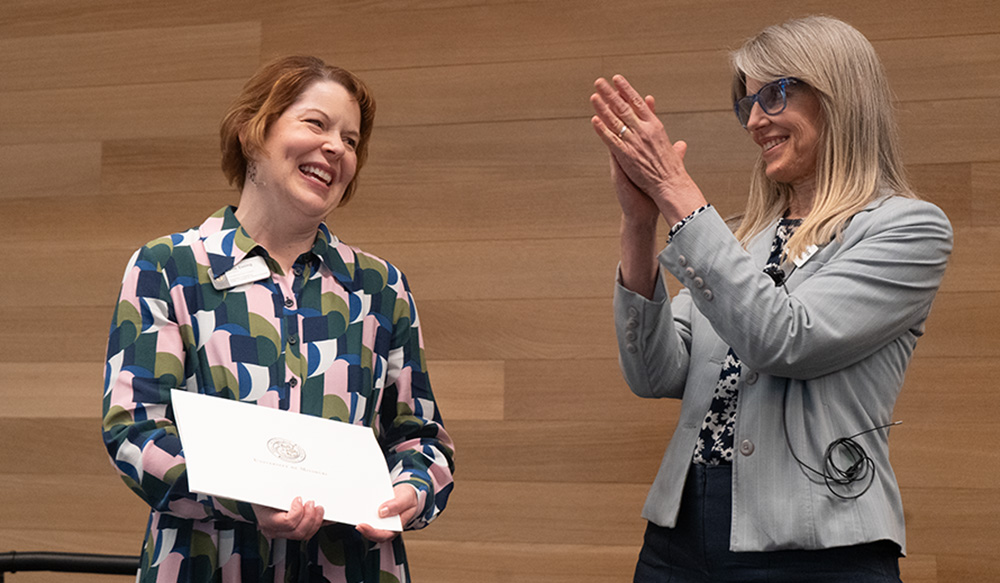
[859, 153]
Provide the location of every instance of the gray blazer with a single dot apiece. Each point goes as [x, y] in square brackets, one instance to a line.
[839, 339]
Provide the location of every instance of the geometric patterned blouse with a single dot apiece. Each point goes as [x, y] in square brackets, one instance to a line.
[337, 338]
[715, 445]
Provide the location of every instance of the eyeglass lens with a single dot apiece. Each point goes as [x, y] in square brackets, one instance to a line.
[771, 98]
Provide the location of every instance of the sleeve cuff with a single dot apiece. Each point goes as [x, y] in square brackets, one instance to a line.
[659, 291]
[680, 224]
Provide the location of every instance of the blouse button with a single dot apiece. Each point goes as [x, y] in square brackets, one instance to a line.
[294, 382]
[293, 339]
[289, 302]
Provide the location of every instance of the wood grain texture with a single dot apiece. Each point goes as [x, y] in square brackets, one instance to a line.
[35, 170]
[487, 187]
[58, 390]
[986, 194]
[469, 389]
[115, 112]
[130, 57]
[529, 31]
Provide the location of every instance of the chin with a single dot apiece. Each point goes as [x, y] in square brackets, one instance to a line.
[779, 175]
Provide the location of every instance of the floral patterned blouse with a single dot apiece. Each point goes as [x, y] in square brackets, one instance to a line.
[338, 338]
[718, 430]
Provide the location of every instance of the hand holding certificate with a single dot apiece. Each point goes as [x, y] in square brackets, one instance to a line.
[269, 457]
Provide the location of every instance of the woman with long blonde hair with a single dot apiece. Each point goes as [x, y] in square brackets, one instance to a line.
[790, 338]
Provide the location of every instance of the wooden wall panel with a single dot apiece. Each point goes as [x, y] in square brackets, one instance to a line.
[949, 67]
[959, 130]
[567, 390]
[469, 389]
[969, 268]
[541, 563]
[63, 390]
[487, 186]
[31, 170]
[947, 185]
[121, 111]
[543, 512]
[529, 31]
[962, 324]
[32, 18]
[130, 57]
[986, 194]
[163, 165]
[584, 451]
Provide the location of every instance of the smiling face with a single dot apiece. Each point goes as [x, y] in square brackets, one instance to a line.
[789, 140]
[309, 156]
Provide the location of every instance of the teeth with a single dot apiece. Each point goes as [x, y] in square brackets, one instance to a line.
[318, 173]
[772, 143]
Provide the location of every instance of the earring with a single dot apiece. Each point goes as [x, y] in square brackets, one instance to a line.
[252, 173]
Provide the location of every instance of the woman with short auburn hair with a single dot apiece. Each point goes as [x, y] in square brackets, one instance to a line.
[263, 304]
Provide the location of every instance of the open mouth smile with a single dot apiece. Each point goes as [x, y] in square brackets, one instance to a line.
[317, 172]
[772, 143]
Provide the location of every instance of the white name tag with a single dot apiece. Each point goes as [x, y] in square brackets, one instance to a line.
[249, 270]
[809, 252]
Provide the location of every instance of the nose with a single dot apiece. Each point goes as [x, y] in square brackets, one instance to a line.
[334, 146]
[757, 117]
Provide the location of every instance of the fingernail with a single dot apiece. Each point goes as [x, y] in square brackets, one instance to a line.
[383, 512]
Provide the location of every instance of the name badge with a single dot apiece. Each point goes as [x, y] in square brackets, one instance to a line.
[249, 270]
[809, 252]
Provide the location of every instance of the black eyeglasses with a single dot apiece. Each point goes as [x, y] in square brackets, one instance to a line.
[771, 97]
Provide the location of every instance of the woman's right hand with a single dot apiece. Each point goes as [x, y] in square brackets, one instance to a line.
[301, 522]
[637, 207]
[637, 140]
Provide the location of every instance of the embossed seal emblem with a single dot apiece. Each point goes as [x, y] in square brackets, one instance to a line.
[285, 450]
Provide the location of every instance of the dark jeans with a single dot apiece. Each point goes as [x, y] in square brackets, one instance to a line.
[697, 549]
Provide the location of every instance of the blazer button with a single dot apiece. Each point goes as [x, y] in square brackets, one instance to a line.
[752, 378]
[699, 282]
[631, 348]
[633, 312]
[708, 294]
[682, 260]
[630, 336]
[689, 271]
[632, 323]
[746, 447]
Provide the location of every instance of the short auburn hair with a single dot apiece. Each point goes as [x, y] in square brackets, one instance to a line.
[267, 94]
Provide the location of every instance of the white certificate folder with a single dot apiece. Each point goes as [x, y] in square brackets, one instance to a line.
[267, 456]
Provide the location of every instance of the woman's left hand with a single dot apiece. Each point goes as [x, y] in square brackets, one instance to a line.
[639, 144]
[404, 504]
